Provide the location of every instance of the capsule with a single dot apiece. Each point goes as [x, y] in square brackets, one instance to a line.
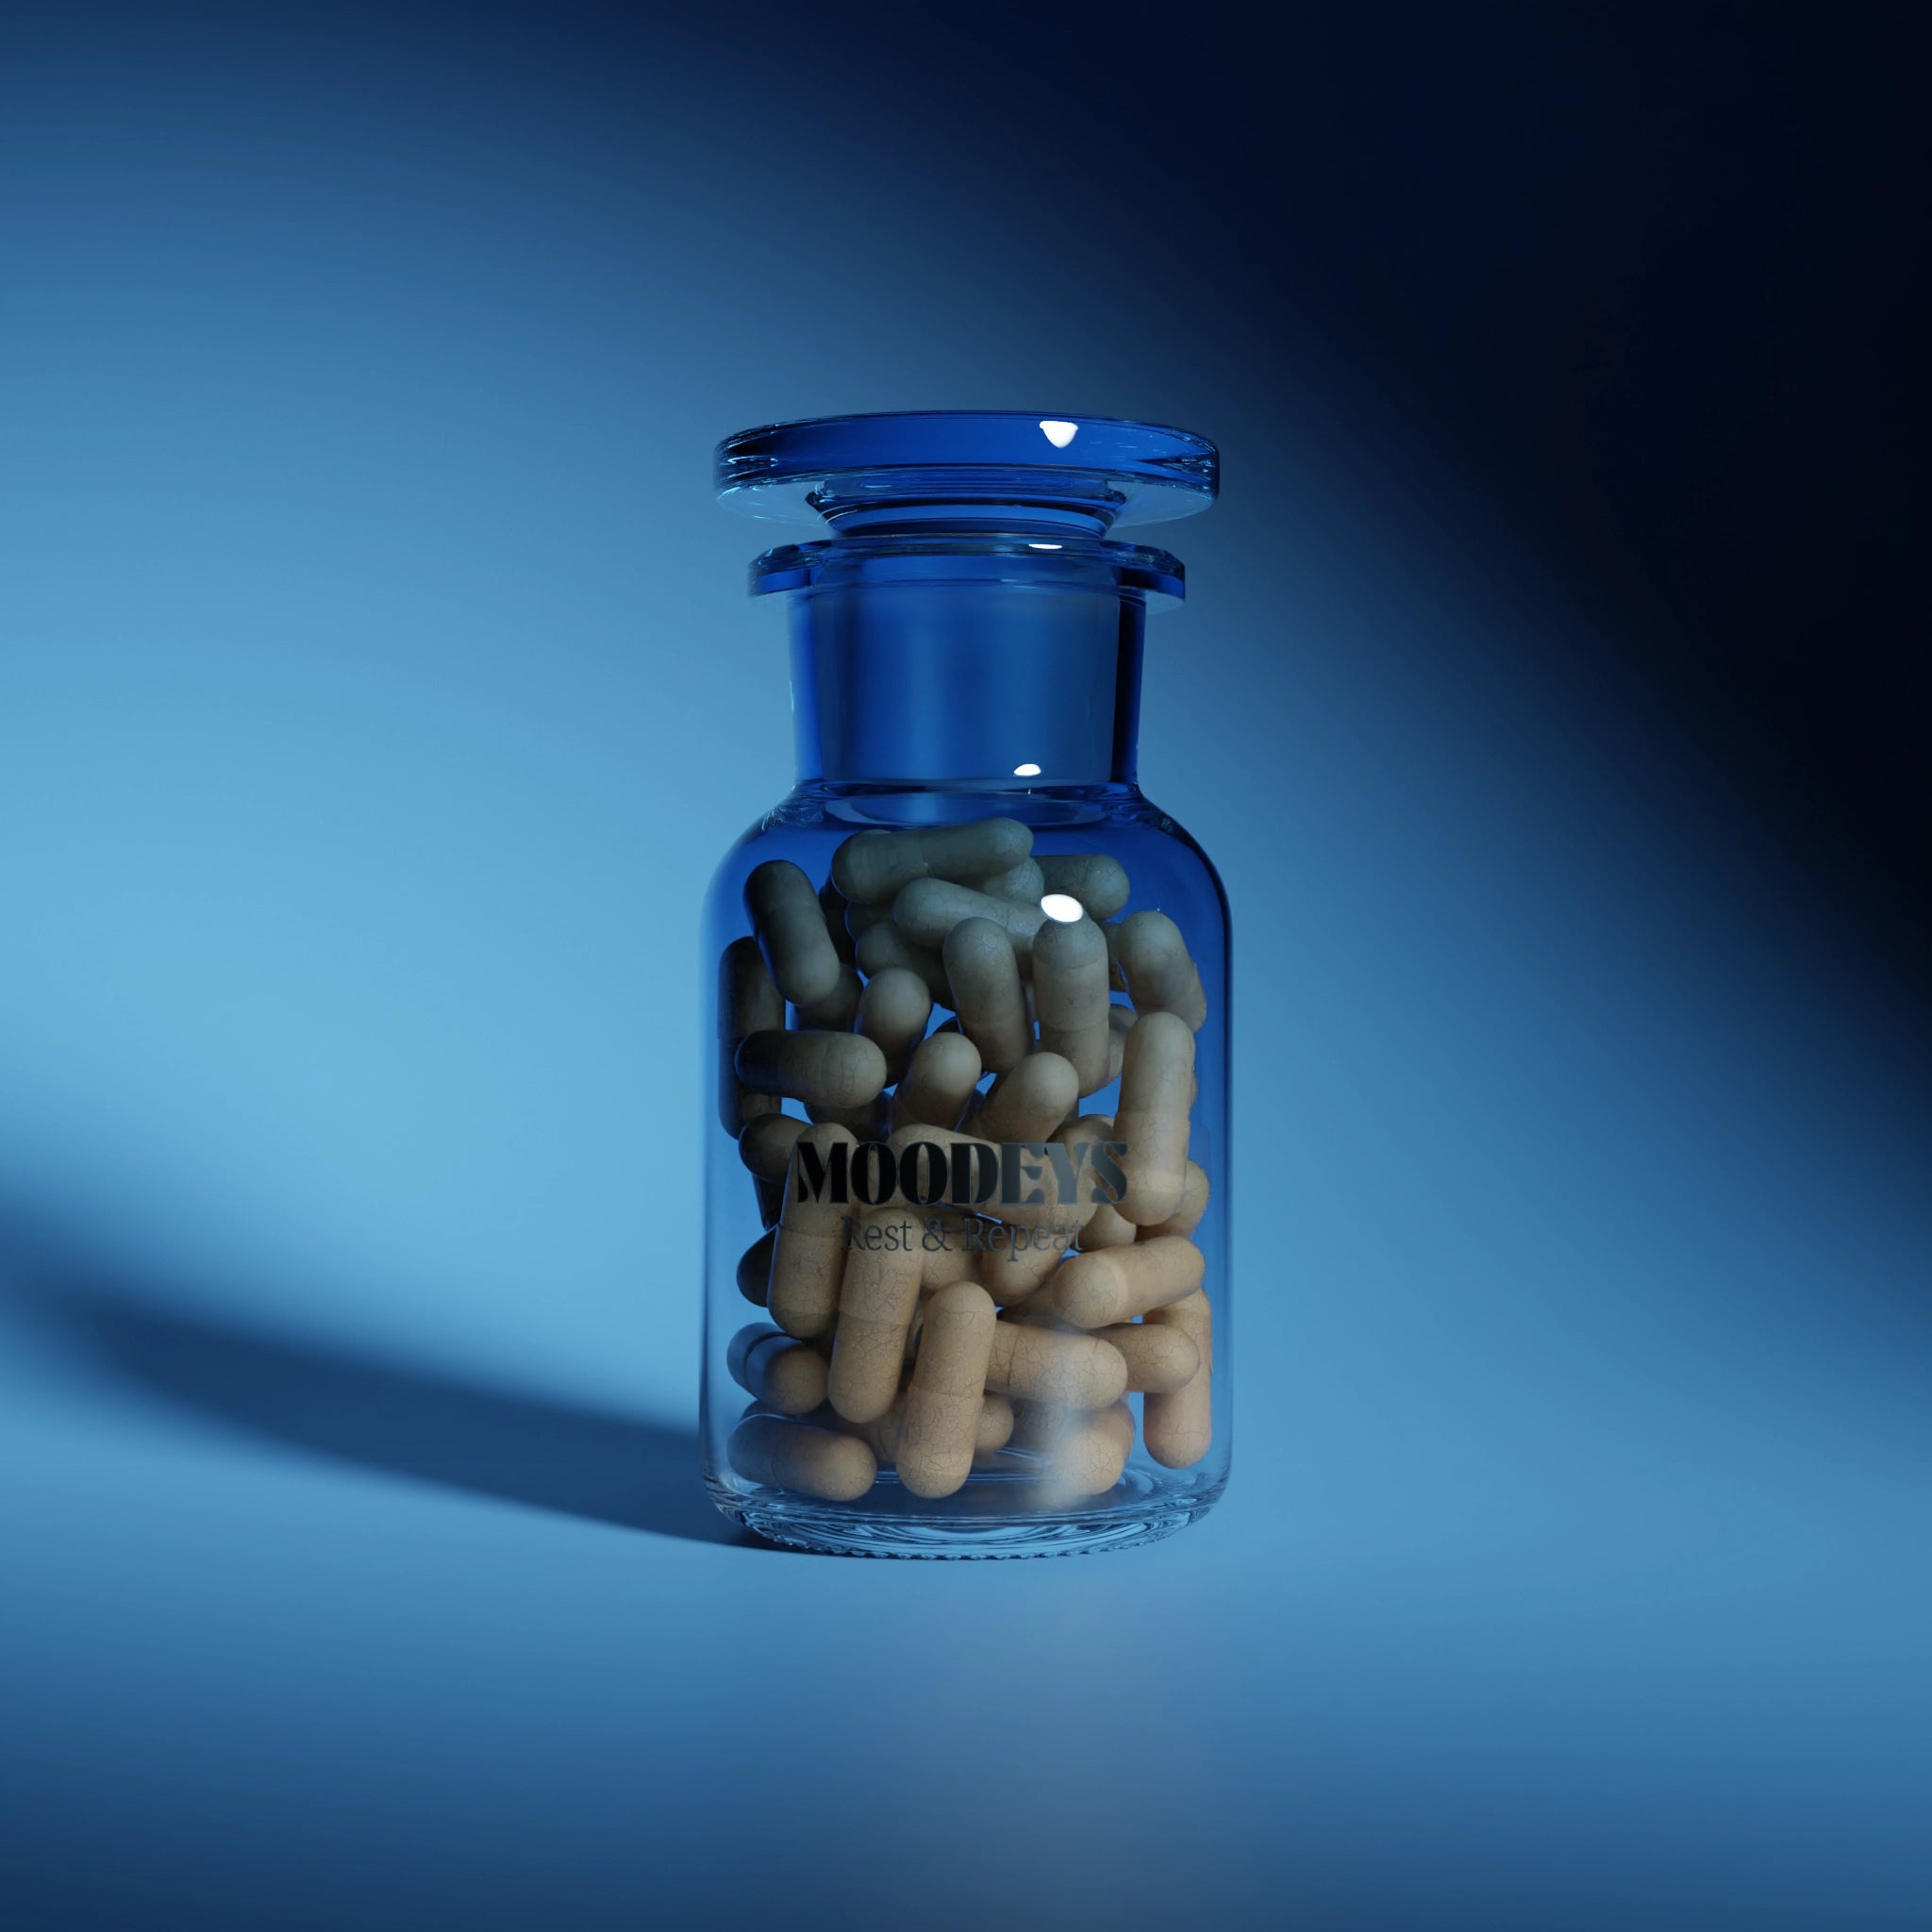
[754, 1268]
[928, 909]
[992, 1426]
[1070, 994]
[1018, 1259]
[747, 1003]
[941, 1423]
[1108, 1228]
[1187, 1216]
[791, 927]
[877, 1301]
[873, 866]
[1041, 1196]
[1160, 1358]
[1161, 975]
[1179, 1426]
[782, 1373]
[1120, 1023]
[1095, 1291]
[1098, 882]
[782, 1454]
[835, 906]
[951, 1248]
[1042, 1364]
[892, 1014]
[765, 1146]
[984, 976]
[1085, 1453]
[821, 1068]
[809, 1257]
[1025, 882]
[940, 1080]
[1029, 1102]
[1152, 1122]
[835, 1011]
[883, 947]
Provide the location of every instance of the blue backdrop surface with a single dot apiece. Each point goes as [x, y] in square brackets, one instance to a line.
[380, 693]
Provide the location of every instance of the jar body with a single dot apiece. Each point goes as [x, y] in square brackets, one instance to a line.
[972, 1273]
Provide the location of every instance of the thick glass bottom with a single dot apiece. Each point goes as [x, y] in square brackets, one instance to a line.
[996, 1522]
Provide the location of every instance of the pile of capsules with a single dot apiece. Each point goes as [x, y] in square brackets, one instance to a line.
[938, 1338]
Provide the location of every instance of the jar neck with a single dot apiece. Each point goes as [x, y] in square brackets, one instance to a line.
[980, 685]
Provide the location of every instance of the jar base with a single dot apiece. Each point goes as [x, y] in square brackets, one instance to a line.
[843, 1531]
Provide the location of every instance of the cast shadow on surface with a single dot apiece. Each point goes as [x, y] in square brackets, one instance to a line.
[354, 1408]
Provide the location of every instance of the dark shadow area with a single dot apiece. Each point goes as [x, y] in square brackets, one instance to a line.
[357, 1409]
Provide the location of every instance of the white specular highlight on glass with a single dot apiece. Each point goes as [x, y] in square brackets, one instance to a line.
[1059, 434]
[1062, 906]
[1026, 771]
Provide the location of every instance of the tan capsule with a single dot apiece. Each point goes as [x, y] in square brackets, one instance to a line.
[940, 1080]
[941, 1423]
[1178, 1428]
[1161, 975]
[823, 1069]
[928, 909]
[834, 1012]
[835, 906]
[984, 976]
[1095, 1291]
[1120, 1023]
[1045, 1364]
[881, 1435]
[995, 1426]
[747, 1003]
[754, 1268]
[893, 1011]
[809, 1257]
[1108, 1228]
[1018, 1259]
[956, 1257]
[877, 1301]
[1098, 882]
[1029, 1102]
[1071, 995]
[791, 927]
[1160, 1359]
[782, 1373]
[883, 947]
[860, 920]
[782, 1454]
[871, 1122]
[1187, 1216]
[872, 866]
[1085, 1453]
[1025, 882]
[1152, 1121]
[765, 1146]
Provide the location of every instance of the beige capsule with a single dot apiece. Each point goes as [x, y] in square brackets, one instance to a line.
[1161, 974]
[1023, 881]
[873, 866]
[893, 1011]
[1098, 882]
[835, 1012]
[950, 1249]
[928, 909]
[1104, 1227]
[783, 1454]
[1152, 1122]
[860, 920]
[877, 1301]
[1108, 1228]
[791, 927]
[940, 1080]
[1029, 1101]
[1178, 1428]
[1018, 1259]
[1008, 1181]
[992, 1426]
[1187, 1216]
[821, 1068]
[883, 947]
[940, 1426]
[1160, 1359]
[754, 1268]
[783, 1374]
[1085, 1452]
[747, 1003]
[1042, 1364]
[1095, 1291]
[1071, 998]
[809, 1257]
[984, 976]
[765, 1146]
[1120, 1023]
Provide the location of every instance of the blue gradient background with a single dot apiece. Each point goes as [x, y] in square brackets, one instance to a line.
[380, 693]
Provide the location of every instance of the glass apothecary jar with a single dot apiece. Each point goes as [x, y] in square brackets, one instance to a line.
[966, 1124]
